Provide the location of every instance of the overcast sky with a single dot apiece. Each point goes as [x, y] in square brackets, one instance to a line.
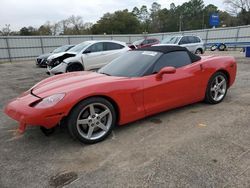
[19, 13]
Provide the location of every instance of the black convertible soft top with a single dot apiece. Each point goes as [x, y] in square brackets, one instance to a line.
[168, 49]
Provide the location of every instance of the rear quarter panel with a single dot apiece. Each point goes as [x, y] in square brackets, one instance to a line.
[213, 64]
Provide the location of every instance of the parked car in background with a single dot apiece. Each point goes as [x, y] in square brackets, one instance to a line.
[89, 55]
[193, 43]
[41, 60]
[143, 43]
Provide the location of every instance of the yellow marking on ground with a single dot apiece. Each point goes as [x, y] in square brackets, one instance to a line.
[15, 135]
[202, 125]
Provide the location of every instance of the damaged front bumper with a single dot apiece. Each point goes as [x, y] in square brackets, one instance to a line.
[20, 110]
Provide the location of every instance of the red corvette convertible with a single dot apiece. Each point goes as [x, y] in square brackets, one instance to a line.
[138, 84]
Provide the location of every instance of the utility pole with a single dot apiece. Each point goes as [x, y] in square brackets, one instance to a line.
[203, 20]
[180, 24]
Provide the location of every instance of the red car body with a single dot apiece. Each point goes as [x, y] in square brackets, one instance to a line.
[145, 43]
[133, 98]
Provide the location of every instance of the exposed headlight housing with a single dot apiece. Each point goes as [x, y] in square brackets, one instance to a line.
[57, 62]
[49, 101]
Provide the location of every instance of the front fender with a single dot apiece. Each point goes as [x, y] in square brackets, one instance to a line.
[129, 100]
[73, 60]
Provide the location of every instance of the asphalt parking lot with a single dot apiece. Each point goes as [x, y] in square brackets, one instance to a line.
[199, 145]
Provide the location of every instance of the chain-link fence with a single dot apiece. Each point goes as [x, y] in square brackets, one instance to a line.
[14, 48]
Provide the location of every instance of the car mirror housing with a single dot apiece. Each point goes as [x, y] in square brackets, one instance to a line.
[165, 70]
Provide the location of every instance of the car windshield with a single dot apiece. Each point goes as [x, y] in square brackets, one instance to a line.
[131, 64]
[61, 49]
[138, 42]
[79, 47]
[170, 40]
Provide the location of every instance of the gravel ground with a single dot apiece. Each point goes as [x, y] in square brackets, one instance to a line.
[199, 145]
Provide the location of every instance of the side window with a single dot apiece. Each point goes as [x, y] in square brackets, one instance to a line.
[184, 40]
[97, 47]
[144, 42]
[197, 40]
[192, 39]
[172, 59]
[112, 46]
[150, 41]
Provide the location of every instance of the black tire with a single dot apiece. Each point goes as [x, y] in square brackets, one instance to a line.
[48, 132]
[213, 47]
[209, 98]
[222, 47]
[199, 51]
[77, 131]
[74, 67]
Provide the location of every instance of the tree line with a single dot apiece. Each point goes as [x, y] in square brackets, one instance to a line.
[190, 15]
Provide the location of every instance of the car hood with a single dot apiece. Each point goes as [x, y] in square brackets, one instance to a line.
[60, 54]
[68, 82]
[44, 56]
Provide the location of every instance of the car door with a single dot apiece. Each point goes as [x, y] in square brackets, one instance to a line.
[144, 44]
[173, 90]
[93, 56]
[192, 43]
[153, 41]
[184, 42]
[112, 50]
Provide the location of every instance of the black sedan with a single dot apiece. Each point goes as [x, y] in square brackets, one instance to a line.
[42, 59]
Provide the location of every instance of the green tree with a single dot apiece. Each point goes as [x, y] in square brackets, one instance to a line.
[120, 22]
[5, 31]
[154, 15]
[26, 31]
[241, 9]
[191, 13]
[45, 30]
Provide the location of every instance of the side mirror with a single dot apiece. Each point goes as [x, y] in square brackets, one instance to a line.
[165, 70]
[86, 52]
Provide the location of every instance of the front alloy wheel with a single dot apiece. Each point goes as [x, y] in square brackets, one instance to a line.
[217, 88]
[92, 120]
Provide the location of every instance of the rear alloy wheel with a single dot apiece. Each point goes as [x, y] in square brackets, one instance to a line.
[198, 51]
[92, 120]
[217, 88]
[74, 67]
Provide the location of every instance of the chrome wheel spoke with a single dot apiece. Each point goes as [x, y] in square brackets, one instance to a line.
[82, 121]
[215, 95]
[221, 83]
[221, 91]
[104, 113]
[216, 81]
[90, 131]
[102, 126]
[92, 110]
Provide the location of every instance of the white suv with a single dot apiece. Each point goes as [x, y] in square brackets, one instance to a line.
[192, 43]
[88, 55]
